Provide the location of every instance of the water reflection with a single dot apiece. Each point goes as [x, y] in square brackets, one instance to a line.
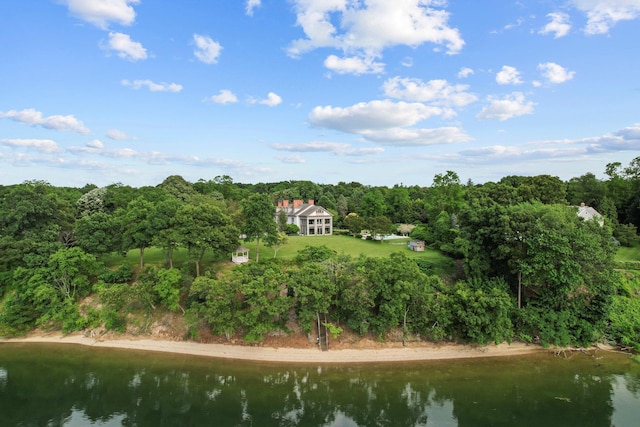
[69, 386]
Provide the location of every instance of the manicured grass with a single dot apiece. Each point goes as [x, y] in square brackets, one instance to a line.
[629, 254]
[342, 245]
[153, 257]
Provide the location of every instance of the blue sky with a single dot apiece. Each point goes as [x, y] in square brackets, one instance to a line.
[376, 91]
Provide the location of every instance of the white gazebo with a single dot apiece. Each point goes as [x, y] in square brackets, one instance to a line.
[240, 255]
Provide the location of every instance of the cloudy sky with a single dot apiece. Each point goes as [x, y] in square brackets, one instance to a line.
[376, 91]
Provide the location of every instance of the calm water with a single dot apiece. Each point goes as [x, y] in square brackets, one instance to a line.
[62, 385]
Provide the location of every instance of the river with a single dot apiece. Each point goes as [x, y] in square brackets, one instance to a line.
[68, 385]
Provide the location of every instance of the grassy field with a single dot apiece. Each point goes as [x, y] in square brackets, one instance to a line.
[629, 254]
[340, 244]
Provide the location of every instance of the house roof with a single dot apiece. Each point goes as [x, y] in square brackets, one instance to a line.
[588, 213]
[306, 210]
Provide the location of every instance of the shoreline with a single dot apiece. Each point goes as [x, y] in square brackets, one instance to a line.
[291, 355]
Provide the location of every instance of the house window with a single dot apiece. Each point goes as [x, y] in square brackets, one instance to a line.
[312, 231]
[319, 230]
[327, 230]
[327, 220]
[311, 221]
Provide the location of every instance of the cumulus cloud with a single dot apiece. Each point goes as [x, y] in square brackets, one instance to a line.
[353, 65]
[224, 97]
[125, 47]
[371, 115]
[465, 72]
[602, 15]
[417, 137]
[118, 135]
[207, 50]
[33, 117]
[555, 73]
[152, 86]
[559, 25]
[508, 76]
[251, 6]
[387, 122]
[437, 92]
[42, 145]
[103, 12]
[508, 107]
[369, 26]
[272, 100]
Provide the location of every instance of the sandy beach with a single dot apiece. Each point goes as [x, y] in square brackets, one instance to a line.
[413, 352]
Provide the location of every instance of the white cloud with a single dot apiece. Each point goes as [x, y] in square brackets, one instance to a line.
[43, 145]
[438, 92]
[313, 147]
[604, 14]
[102, 12]
[353, 65]
[626, 139]
[118, 135]
[370, 26]
[207, 50]
[555, 73]
[57, 122]
[152, 86]
[125, 47]
[337, 148]
[295, 159]
[387, 122]
[510, 106]
[272, 100]
[559, 26]
[508, 76]
[371, 115]
[465, 72]
[225, 97]
[251, 6]
[96, 143]
[417, 137]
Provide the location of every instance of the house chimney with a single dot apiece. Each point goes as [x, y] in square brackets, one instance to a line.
[285, 203]
[279, 203]
[296, 203]
[310, 201]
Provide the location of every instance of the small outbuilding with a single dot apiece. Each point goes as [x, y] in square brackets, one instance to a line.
[416, 245]
[240, 255]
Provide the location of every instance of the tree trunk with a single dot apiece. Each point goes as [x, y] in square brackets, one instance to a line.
[519, 289]
[257, 249]
[141, 257]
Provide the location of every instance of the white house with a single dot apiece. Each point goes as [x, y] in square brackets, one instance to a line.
[311, 219]
[588, 213]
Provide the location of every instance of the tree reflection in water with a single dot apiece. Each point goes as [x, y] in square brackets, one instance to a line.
[67, 385]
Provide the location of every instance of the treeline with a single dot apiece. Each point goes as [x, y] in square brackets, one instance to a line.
[533, 270]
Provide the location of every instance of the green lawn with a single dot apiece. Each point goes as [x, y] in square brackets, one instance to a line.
[340, 244]
[629, 254]
[343, 245]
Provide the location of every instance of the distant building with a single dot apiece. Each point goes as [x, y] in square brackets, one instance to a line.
[311, 219]
[588, 213]
[416, 245]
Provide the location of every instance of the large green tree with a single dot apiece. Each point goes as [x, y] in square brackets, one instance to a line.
[258, 219]
[205, 226]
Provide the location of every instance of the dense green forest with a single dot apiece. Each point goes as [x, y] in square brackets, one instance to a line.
[515, 261]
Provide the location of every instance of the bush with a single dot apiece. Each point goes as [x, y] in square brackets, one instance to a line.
[122, 274]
